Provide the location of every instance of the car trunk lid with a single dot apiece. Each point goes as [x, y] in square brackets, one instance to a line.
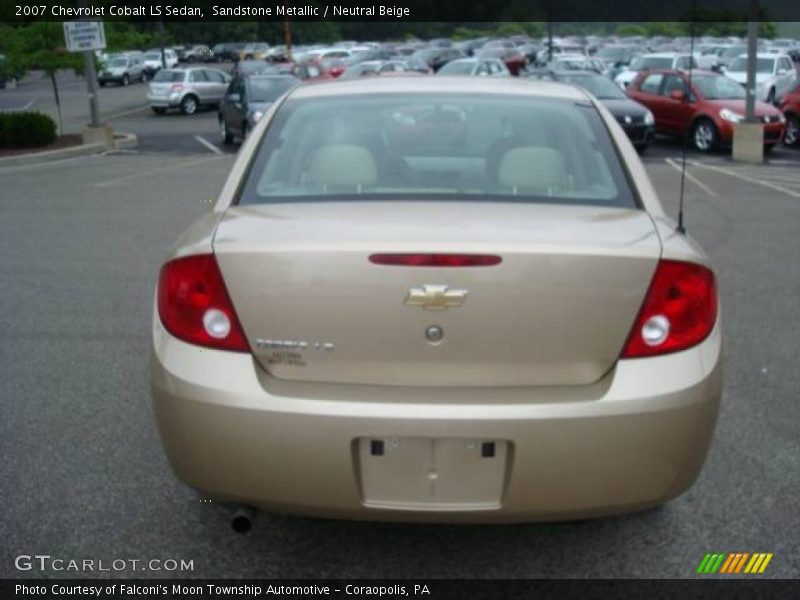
[555, 311]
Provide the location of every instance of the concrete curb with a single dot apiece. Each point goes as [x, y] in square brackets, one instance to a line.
[122, 141]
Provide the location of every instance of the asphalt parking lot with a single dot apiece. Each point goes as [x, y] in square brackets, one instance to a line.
[82, 473]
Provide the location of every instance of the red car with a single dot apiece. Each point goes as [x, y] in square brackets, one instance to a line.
[790, 105]
[514, 59]
[707, 115]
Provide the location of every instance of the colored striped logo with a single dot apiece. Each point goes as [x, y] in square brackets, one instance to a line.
[734, 562]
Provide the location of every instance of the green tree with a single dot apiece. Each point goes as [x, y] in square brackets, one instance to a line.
[40, 46]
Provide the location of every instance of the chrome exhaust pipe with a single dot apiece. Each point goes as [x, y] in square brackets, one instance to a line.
[243, 518]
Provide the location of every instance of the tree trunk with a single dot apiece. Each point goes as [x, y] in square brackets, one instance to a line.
[58, 102]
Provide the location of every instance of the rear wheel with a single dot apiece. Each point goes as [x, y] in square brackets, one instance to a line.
[792, 136]
[102, 83]
[768, 148]
[704, 135]
[227, 138]
[189, 105]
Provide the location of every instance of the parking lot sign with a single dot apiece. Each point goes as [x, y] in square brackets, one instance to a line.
[82, 36]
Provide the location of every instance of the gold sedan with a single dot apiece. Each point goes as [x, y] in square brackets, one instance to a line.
[437, 299]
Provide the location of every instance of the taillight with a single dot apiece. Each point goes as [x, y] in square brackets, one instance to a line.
[679, 311]
[436, 260]
[194, 305]
[176, 87]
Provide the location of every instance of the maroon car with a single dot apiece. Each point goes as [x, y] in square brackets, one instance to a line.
[790, 105]
[704, 107]
[514, 59]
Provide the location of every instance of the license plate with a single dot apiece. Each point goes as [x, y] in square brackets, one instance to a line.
[432, 473]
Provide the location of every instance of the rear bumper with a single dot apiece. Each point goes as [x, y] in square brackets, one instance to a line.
[635, 439]
[162, 101]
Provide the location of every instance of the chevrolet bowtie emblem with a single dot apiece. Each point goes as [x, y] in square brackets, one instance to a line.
[435, 297]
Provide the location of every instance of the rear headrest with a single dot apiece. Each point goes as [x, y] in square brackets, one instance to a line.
[532, 168]
[343, 165]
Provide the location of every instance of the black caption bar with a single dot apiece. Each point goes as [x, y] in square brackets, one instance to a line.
[212, 589]
[398, 10]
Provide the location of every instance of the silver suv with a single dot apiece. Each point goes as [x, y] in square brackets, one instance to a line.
[122, 69]
[187, 89]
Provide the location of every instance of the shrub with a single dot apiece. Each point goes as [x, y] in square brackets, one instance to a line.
[26, 130]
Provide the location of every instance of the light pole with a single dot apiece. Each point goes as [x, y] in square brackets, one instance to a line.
[748, 134]
[752, 49]
[91, 83]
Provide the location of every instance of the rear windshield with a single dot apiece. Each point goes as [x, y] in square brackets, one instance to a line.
[457, 68]
[763, 65]
[269, 90]
[169, 76]
[655, 62]
[437, 147]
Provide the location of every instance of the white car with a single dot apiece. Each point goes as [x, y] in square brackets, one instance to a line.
[774, 74]
[491, 67]
[661, 60]
[152, 60]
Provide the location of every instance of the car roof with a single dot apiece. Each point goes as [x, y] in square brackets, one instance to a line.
[421, 84]
[680, 72]
[664, 54]
[766, 55]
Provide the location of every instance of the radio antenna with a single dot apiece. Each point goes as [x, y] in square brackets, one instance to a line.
[686, 98]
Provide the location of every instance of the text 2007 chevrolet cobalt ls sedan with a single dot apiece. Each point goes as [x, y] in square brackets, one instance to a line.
[437, 299]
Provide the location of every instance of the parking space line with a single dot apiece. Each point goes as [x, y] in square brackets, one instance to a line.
[151, 172]
[126, 112]
[736, 175]
[691, 178]
[208, 144]
[19, 108]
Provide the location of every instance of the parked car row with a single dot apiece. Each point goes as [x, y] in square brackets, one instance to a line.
[665, 92]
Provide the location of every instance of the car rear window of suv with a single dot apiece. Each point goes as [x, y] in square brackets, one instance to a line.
[448, 147]
[168, 76]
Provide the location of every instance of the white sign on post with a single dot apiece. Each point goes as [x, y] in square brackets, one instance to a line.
[84, 35]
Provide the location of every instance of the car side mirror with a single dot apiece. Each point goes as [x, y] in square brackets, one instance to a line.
[677, 95]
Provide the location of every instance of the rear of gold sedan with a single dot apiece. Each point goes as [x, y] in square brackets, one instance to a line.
[436, 300]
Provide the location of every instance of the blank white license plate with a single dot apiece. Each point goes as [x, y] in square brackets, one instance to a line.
[432, 474]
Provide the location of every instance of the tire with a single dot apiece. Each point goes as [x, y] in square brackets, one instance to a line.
[159, 110]
[144, 77]
[768, 148]
[641, 148]
[704, 135]
[102, 83]
[189, 105]
[771, 96]
[792, 136]
[125, 79]
[227, 138]
[245, 130]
